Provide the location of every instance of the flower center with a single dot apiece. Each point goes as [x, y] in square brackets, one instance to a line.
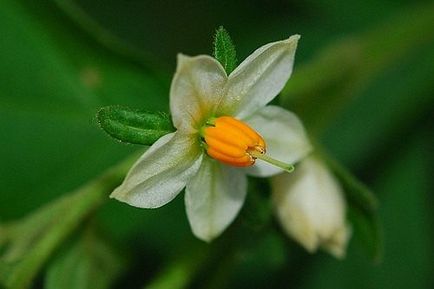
[233, 142]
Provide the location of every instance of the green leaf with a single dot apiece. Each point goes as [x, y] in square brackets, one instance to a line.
[88, 263]
[27, 244]
[134, 126]
[224, 50]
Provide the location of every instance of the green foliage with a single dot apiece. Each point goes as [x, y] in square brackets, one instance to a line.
[53, 79]
[181, 271]
[89, 263]
[319, 89]
[27, 244]
[224, 50]
[133, 126]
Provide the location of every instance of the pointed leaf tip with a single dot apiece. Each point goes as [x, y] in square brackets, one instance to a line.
[224, 50]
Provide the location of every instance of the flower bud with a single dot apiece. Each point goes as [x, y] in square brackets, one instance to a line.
[311, 208]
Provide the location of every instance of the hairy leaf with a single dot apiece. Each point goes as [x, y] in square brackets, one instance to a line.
[224, 50]
[134, 126]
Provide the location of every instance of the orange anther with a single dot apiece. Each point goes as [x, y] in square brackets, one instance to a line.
[232, 141]
[243, 161]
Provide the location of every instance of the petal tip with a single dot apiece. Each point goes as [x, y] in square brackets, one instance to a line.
[115, 194]
[202, 234]
[206, 239]
[292, 41]
[120, 196]
[182, 59]
[187, 62]
[182, 56]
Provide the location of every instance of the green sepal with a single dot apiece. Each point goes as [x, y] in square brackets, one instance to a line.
[134, 126]
[224, 50]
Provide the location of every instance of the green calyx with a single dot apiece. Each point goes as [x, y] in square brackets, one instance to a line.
[209, 122]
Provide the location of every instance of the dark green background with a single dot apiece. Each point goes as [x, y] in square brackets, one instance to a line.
[62, 60]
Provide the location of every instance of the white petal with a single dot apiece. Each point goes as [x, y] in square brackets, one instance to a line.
[196, 89]
[311, 207]
[213, 198]
[337, 244]
[259, 78]
[162, 172]
[284, 135]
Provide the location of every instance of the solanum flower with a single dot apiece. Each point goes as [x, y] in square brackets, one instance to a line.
[311, 207]
[223, 127]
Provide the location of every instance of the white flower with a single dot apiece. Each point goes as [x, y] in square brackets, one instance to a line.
[311, 208]
[216, 143]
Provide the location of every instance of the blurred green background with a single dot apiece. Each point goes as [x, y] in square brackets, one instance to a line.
[363, 83]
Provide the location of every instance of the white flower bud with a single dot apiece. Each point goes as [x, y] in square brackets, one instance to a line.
[311, 208]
